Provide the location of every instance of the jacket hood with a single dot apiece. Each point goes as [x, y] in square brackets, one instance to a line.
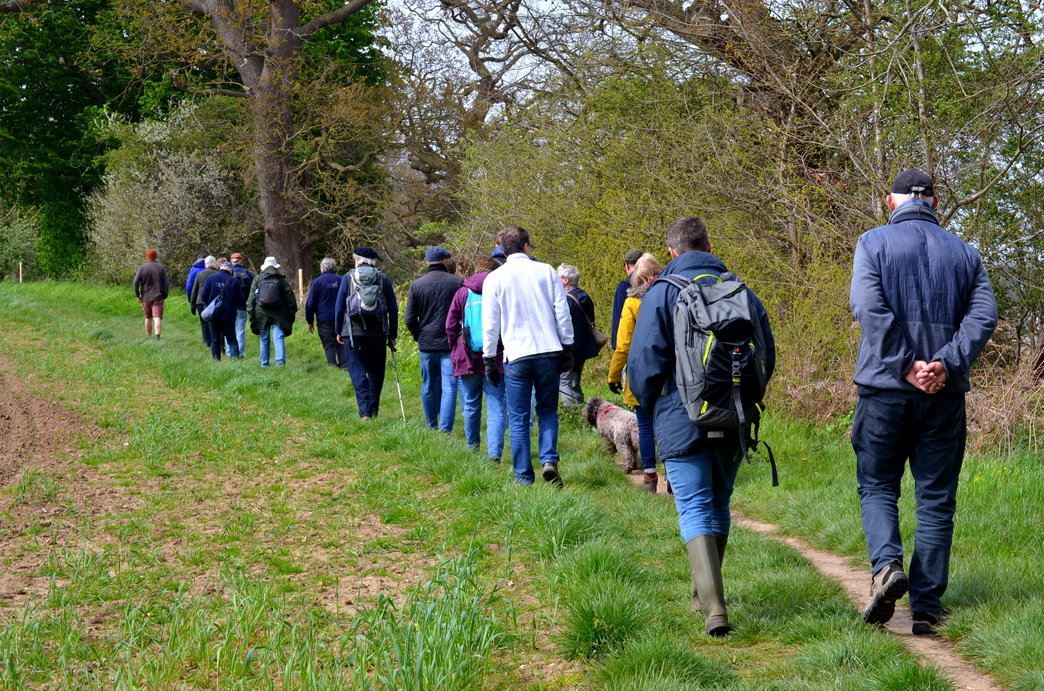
[498, 252]
[474, 283]
[694, 260]
[914, 211]
[271, 271]
[199, 265]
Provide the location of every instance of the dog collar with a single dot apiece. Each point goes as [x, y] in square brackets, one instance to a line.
[602, 414]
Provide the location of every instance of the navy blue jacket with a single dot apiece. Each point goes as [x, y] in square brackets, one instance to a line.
[919, 293]
[196, 268]
[582, 316]
[650, 365]
[322, 298]
[233, 298]
[368, 326]
[619, 298]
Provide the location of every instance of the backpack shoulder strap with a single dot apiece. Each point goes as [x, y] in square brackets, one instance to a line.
[677, 281]
[577, 301]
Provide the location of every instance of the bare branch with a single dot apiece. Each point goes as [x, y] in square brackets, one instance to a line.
[12, 6]
[348, 169]
[213, 92]
[331, 18]
[197, 6]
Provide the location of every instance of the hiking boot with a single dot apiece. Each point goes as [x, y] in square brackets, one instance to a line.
[926, 623]
[650, 481]
[550, 471]
[886, 588]
[669, 490]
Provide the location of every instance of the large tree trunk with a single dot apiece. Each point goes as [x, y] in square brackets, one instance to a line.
[281, 198]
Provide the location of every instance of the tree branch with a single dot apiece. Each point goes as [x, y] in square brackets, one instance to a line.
[330, 18]
[12, 6]
[348, 169]
[213, 92]
[196, 6]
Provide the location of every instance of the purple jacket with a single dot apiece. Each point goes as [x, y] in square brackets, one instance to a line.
[465, 362]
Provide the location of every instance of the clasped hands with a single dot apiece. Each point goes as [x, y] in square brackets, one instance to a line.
[929, 377]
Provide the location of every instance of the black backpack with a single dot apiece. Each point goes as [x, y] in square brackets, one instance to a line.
[269, 291]
[244, 278]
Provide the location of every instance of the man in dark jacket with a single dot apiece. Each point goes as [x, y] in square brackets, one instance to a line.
[246, 279]
[581, 313]
[701, 464]
[926, 310]
[223, 322]
[151, 287]
[427, 304]
[196, 303]
[272, 309]
[366, 335]
[620, 297]
[321, 307]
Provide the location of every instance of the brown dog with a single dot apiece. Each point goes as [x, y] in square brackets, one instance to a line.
[617, 426]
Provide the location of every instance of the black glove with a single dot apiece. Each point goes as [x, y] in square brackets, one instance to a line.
[616, 387]
[492, 373]
[565, 360]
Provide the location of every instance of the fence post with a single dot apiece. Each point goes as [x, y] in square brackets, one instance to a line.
[300, 284]
[19, 272]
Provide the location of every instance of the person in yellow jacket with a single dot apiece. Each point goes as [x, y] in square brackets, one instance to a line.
[645, 272]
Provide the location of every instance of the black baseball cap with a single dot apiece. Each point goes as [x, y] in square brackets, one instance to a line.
[913, 181]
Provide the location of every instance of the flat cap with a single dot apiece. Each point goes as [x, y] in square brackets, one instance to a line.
[366, 252]
[913, 181]
[436, 254]
[633, 256]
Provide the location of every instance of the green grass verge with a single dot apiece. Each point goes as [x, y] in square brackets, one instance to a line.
[256, 534]
[996, 581]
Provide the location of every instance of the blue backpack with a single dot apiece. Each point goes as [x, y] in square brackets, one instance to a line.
[472, 332]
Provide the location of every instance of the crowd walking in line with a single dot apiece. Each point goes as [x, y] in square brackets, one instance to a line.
[692, 355]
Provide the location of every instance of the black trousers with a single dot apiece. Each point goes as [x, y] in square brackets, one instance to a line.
[205, 326]
[365, 363]
[328, 337]
[220, 330]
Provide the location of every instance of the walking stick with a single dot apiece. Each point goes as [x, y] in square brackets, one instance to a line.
[398, 386]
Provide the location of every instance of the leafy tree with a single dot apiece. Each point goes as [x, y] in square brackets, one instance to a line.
[47, 156]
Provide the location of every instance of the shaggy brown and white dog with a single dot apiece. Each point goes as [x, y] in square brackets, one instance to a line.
[617, 426]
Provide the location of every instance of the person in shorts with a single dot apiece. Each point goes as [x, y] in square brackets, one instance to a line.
[151, 287]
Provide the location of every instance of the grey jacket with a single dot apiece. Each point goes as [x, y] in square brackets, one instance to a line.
[919, 293]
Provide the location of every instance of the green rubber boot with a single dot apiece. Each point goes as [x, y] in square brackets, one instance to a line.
[720, 541]
[705, 564]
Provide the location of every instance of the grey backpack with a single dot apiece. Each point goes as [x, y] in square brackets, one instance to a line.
[720, 355]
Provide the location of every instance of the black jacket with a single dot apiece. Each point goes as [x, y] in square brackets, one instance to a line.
[582, 316]
[427, 305]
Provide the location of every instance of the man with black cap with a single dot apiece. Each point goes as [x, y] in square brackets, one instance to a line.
[366, 317]
[427, 304]
[620, 297]
[926, 310]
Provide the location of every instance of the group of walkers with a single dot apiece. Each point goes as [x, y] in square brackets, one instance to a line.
[517, 332]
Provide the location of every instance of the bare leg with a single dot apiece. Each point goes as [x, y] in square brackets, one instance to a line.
[148, 326]
[158, 327]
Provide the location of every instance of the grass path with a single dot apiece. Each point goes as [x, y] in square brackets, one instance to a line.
[219, 526]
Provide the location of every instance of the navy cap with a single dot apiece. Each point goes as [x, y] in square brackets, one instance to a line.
[436, 254]
[913, 181]
[366, 253]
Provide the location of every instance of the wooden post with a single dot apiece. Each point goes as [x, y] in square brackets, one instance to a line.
[300, 284]
[19, 272]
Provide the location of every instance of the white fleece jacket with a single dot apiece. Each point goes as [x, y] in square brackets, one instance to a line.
[524, 305]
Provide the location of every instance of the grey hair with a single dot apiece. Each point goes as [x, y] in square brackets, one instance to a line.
[363, 261]
[898, 199]
[569, 273]
[327, 264]
[210, 262]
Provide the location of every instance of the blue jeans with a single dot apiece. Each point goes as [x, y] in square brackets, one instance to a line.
[438, 390]
[702, 484]
[280, 346]
[472, 387]
[890, 427]
[646, 438]
[534, 377]
[240, 335]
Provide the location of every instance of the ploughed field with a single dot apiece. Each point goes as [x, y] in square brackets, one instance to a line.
[171, 522]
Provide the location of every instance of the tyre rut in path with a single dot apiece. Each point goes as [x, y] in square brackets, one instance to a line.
[856, 582]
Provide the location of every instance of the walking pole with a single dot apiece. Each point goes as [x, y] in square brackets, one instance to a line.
[398, 386]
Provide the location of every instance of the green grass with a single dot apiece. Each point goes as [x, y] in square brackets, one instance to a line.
[996, 580]
[256, 534]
